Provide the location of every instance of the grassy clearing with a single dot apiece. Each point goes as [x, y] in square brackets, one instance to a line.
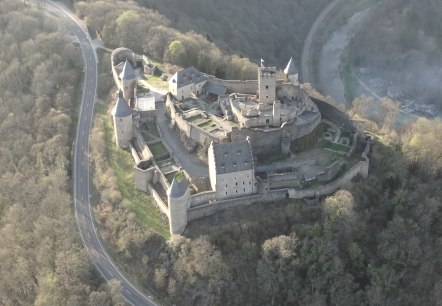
[157, 82]
[157, 149]
[325, 144]
[147, 213]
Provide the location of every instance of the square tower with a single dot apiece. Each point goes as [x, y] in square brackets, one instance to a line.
[267, 84]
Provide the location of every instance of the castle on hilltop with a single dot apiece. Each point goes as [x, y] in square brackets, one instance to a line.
[254, 133]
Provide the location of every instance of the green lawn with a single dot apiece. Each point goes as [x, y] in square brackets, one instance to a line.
[147, 213]
[325, 144]
[157, 82]
[157, 149]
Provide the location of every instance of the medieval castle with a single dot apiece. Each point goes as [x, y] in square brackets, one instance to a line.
[265, 140]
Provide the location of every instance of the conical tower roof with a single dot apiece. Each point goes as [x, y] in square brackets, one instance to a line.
[290, 69]
[128, 72]
[178, 187]
[121, 108]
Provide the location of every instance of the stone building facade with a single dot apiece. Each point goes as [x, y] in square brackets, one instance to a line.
[186, 82]
[231, 169]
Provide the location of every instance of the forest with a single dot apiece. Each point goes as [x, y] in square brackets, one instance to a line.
[42, 259]
[401, 41]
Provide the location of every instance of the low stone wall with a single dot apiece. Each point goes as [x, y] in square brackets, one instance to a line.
[158, 199]
[360, 168]
[202, 198]
[144, 149]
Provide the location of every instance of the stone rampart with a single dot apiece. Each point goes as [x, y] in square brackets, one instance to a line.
[202, 198]
[265, 141]
[209, 209]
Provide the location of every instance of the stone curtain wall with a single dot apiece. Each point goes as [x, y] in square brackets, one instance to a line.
[202, 198]
[360, 168]
[332, 113]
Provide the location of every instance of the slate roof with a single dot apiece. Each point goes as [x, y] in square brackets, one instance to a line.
[188, 76]
[215, 89]
[178, 187]
[121, 108]
[128, 72]
[290, 69]
[232, 156]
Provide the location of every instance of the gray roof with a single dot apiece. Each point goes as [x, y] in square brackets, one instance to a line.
[128, 72]
[215, 89]
[121, 108]
[178, 187]
[290, 69]
[232, 156]
[187, 76]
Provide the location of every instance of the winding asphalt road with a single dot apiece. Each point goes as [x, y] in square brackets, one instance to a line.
[85, 219]
[305, 75]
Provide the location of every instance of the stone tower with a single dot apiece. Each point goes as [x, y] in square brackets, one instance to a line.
[123, 122]
[128, 79]
[290, 71]
[267, 84]
[178, 200]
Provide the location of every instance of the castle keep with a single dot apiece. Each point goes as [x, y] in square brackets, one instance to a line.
[254, 133]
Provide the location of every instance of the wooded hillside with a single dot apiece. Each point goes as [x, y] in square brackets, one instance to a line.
[42, 259]
[273, 30]
[402, 41]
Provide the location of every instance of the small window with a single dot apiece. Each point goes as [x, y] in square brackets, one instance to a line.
[234, 165]
[243, 183]
[267, 97]
[244, 190]
[267, 86]
[226, 192]
[236, 184]
[226, 185]
[239, 152]
[236, 191]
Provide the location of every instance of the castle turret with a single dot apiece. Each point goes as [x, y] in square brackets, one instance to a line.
[178, 200]
[123, 122]
[128, 79]
[267, 84]
[290, 71]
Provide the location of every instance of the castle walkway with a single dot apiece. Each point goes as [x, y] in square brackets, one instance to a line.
[189, 162]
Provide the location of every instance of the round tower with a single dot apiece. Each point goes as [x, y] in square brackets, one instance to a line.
[178, 200]
[128, 79]
[123, 122]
